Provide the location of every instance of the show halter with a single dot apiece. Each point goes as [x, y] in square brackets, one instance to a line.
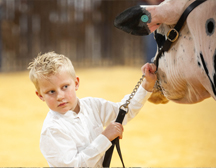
[173, 33]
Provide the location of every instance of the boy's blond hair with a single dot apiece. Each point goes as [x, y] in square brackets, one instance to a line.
[48, 64]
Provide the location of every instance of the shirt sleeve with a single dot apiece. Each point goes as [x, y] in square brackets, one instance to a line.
[108, 111]
[136, 103]
[60, 150]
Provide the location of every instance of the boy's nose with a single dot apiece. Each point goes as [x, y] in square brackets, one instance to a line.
[60, 95]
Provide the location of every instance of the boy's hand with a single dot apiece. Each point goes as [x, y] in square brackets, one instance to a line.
[113, 130]
[150, 76]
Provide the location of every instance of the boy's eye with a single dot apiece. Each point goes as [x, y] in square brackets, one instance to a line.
[65, 87]
[51, 92]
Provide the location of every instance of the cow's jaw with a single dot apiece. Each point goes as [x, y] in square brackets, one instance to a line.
[180, 89]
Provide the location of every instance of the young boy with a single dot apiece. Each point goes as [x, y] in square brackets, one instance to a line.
[72, 133]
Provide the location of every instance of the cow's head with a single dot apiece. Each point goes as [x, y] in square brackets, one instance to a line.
[187, 72]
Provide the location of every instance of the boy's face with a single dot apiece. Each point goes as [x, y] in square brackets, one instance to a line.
[59, 92]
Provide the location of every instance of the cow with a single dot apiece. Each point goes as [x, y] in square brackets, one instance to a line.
[187, 71]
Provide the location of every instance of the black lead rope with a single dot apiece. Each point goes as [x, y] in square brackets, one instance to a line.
[115, 142]
[173, 33]
[119, 119]
[172, 36]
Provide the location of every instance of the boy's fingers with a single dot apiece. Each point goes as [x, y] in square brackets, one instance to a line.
[143, 68]
[122, 128]
[153, 68]
[119, 127]
[148, 68]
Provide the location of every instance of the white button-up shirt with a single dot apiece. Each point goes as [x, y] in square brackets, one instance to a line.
[75, 140]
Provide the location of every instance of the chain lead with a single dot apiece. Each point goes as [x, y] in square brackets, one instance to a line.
[133, 93]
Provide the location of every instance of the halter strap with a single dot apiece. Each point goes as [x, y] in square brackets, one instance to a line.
[173, 34]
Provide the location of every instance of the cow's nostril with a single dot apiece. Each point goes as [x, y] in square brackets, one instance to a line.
[210, 26]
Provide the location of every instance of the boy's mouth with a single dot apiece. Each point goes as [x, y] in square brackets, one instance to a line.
[62, 104]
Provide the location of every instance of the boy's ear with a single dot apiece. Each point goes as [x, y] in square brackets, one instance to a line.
[39, 95]
[77, 83]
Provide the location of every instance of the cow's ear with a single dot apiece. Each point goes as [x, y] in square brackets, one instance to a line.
[137, 20]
